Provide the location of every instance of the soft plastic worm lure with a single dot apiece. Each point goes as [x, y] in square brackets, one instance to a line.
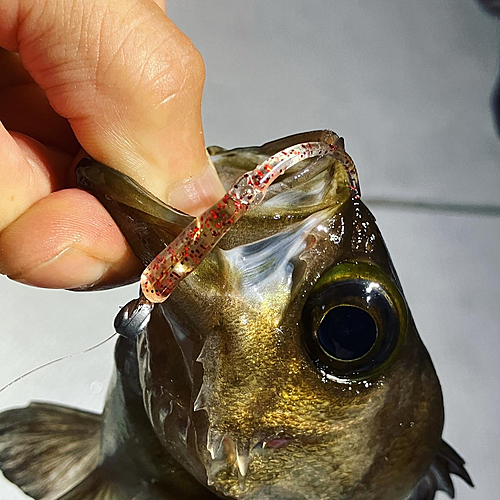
[192, 245]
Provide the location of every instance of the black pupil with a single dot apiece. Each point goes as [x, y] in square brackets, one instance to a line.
[347, 332]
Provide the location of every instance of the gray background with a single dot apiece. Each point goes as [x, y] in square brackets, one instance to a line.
[407, 84]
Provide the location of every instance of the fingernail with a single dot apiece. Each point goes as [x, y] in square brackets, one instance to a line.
[71, 268]
[195, 195]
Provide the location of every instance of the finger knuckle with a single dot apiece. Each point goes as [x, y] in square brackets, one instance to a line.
[190, 66]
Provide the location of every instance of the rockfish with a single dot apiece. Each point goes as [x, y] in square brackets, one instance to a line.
[287, 365]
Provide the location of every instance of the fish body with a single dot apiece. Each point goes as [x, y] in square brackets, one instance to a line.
[286, 366]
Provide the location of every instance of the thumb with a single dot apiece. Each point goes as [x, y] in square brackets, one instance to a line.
[129, 82]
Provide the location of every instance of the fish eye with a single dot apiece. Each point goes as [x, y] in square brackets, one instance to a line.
[347, 332]
[354, 322]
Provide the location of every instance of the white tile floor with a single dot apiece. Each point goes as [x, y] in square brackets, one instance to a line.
[407, 84]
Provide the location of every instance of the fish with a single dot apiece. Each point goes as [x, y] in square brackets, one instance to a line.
[287, 365]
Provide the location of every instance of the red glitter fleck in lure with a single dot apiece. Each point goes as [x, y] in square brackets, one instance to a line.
[193, 244]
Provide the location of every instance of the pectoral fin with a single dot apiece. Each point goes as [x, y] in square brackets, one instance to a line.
[46, 449]
[438, 477]
[53, 453]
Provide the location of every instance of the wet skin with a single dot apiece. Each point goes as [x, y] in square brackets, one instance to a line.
[233, 378]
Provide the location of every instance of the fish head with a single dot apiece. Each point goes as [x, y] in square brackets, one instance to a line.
[288, 364]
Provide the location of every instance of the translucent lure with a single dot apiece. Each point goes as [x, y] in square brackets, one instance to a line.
[193, 244]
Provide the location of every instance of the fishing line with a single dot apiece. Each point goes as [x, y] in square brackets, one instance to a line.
[436, 206]
[56, 361]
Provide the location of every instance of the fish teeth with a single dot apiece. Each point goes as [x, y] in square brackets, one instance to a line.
[200, 402]
[204, 352]
[222, 451]
[232, 454]
[243, 462]
[214, 443]
[243, 457]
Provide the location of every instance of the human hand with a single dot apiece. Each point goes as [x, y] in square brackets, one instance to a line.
[118, 79]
